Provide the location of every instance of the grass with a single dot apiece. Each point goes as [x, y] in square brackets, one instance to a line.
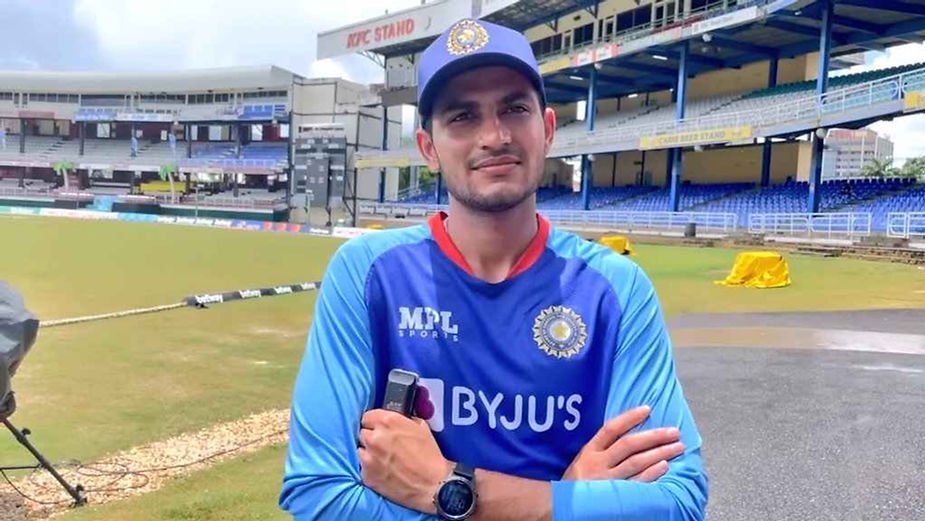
[93, 389]
[243, 489]
[683, 278]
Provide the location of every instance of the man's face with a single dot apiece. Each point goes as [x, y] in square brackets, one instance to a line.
[489, 137]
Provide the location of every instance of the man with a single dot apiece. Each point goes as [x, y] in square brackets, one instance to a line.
[545, 357]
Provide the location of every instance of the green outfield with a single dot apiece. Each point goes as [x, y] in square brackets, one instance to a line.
[93, 389]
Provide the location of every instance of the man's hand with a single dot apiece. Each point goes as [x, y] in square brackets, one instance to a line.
[613, 454]
[400, 459]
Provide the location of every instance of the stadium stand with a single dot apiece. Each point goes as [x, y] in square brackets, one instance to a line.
[601, 198]
[791, 197]
[909, 197]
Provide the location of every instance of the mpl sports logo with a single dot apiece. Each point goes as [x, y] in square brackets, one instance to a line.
[427, 322]
[462, 406]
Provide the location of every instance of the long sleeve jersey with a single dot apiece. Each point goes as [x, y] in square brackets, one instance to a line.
[521, 373]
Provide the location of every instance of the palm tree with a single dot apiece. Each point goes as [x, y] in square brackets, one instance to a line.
[881, 168]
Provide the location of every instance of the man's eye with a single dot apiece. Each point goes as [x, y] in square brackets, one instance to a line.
[460, 117]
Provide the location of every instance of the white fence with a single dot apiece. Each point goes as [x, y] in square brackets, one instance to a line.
[709, 222]
[715, 223]
[827, 225]
[906, 225]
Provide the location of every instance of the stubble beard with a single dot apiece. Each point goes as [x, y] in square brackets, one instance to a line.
[491, 203]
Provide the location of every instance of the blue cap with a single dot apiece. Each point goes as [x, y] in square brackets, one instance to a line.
[469, 44]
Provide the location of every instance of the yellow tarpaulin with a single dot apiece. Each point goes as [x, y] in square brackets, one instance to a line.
[617, 243]
[758, 269]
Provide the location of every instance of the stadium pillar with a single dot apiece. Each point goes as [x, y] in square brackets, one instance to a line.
[613, 171]
[22, 136]
[587, 170]
[82, 132]
[642, 169]
[188, 134]
[385, 146]
[822, 85]
[669, 153]
[238, 130]
[766, 151]
[676, 156]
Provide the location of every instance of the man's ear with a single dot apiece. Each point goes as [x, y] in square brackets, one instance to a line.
[549, 122]
[425, 144]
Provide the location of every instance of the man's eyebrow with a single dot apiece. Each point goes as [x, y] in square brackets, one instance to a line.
[456, 105]
[515, 96]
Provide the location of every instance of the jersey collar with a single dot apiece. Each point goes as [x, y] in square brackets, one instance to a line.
[532, 254]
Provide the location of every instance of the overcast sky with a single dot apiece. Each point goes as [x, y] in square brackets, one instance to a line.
[129, 35]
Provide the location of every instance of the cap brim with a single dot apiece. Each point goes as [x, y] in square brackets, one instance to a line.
[465, 64]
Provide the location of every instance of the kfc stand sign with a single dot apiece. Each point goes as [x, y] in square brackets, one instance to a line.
[405, 26]
[383, 34]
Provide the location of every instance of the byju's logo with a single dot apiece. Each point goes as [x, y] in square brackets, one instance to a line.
[461, 407]
[426, 322]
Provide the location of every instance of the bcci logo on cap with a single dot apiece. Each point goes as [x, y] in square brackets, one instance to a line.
[465, 37]
[559, 332]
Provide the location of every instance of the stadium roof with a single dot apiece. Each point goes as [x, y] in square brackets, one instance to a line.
[520, 16]
[769, 29]
[858, 26]
[194, 80]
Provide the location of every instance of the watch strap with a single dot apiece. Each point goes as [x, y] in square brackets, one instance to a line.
[466, 471]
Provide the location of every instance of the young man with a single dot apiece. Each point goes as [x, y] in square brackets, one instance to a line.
[545, 357]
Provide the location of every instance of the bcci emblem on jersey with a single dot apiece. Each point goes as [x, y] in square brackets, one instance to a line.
[559, 332]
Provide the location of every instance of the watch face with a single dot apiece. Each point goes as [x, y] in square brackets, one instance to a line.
[455, 498]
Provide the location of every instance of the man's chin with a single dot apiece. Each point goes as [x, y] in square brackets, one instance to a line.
[494, 203]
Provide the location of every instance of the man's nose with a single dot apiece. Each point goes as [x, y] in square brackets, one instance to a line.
[494, 133]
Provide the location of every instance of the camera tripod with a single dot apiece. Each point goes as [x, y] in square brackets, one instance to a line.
[75, 492]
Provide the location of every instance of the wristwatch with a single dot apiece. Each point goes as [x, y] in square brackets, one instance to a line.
[456, 496]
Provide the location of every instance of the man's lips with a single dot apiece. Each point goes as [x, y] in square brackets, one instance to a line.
[499, 161]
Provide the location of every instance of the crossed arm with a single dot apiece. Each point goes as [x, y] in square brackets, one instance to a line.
[323, 477]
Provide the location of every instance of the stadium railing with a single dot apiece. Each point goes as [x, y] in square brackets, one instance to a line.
[715, 223]
[907, 225]
[810, 109]
[826, 225]
[231, 163]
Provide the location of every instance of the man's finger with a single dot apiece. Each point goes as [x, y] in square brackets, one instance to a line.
[643, 460]
[639, 442]
[380, 417]
[652, 473]
[364, 438]
[613, 429]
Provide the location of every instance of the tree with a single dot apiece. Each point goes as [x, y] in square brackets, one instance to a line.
[426, 178]
[882, 168]
[914, 167]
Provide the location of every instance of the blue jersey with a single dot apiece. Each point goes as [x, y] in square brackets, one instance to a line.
[522, 373]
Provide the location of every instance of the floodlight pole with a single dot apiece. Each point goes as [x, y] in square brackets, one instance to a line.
[20, 435]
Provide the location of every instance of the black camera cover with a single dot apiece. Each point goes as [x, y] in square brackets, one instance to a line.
[18, 330]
